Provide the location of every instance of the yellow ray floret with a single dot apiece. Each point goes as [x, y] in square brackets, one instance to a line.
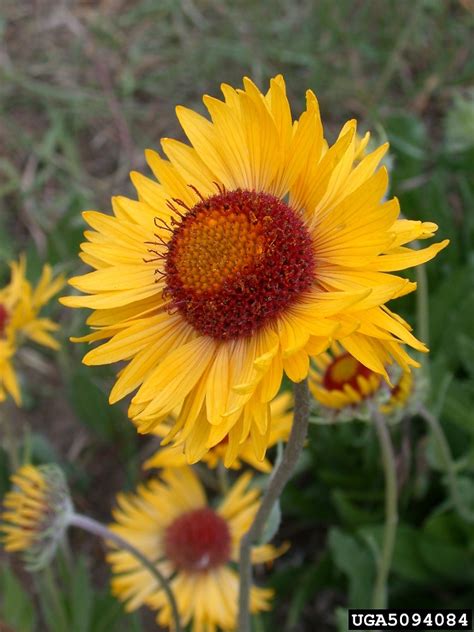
[281, 418]
[256, 245]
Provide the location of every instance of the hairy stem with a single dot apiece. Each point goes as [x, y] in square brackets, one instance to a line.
[96, 528]
[379, 596]
[448, 463]
[280, 476]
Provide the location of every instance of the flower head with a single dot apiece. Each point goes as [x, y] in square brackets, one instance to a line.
[281, 421]
[346, 389]
[20, 306]
[258, 245]
[37, 511]
[193, 544]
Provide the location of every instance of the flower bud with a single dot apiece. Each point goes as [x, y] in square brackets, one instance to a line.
[37, 512]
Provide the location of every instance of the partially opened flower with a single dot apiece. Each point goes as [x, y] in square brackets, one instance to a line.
[280, 426]
[37, 512]
[258, 245]
[20, 306]
[193, 544]
[346, 389]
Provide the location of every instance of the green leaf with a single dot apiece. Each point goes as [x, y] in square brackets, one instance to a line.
[53, 604]
[91, 404]
[349, 511]
[306, 582]
[460, 123]
[465, 348]
[447, 561]
[341, 619]
[272, 524]
[353, 558]
[16, 608]
[408, 562]
[82, 597]
[407, 135]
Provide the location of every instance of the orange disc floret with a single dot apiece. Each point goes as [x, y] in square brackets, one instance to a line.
[236, 261]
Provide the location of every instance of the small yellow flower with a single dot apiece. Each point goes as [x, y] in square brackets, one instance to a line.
[37, 511]
[193, 544]
[280, 427]
[20, 306]
[344, 387]
[255, 247]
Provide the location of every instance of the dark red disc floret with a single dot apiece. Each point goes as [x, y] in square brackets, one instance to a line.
[330, 383]
[3, 319]
[198, 540]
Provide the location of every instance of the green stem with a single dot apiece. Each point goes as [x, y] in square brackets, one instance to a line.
[9, 441]
[278, 479]
[96, 528]
[51, 598]
[448, 463]
[223, 478]
[379, 596]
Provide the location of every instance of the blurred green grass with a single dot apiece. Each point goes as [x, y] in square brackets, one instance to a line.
[86, 86]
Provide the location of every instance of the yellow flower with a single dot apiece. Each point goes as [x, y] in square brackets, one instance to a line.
[281, 421]
[37, 513]
[258, 245]
[344, 387]
[20, 305]
[170, 522]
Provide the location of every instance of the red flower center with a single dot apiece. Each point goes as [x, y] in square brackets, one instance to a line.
[345, 369]
[237, 260]
[198, 540]
[3, 319]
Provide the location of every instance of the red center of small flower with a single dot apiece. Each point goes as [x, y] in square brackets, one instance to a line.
[345, 369]
[3, 319]
[237, 260]
[198, 540]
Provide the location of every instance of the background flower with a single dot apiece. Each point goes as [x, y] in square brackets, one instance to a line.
[20, 321]
[171, 522]
[37, 511]
[345, 389]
